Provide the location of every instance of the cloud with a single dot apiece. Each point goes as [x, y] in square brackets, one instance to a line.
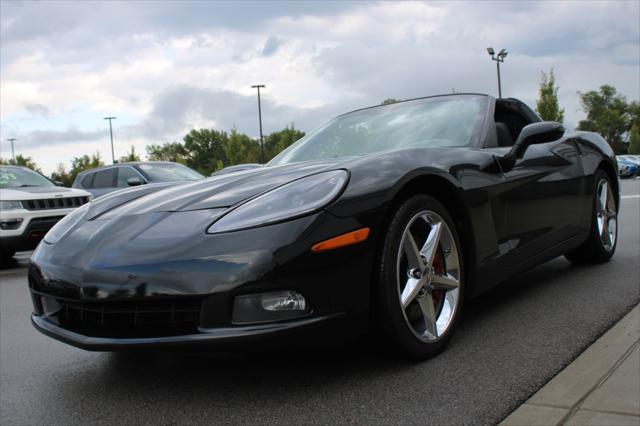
[270, 46]
[51, 138]
[37, 109]
[179, 109]
[165, 67]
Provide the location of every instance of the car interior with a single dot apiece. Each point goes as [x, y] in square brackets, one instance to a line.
[510, 117]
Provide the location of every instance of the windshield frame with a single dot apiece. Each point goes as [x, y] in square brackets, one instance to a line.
[28, 171]
[478, 133]
[140, 167]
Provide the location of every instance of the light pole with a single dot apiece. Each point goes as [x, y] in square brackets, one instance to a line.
[13, 152]
[113, 157]
[499, 58]
[258, 86]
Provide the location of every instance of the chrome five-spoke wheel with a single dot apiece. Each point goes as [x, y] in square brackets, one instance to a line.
[419, 295]
[600, 244]
[428, 275]
[606, 214]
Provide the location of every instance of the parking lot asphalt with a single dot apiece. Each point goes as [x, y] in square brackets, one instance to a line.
[512, 341]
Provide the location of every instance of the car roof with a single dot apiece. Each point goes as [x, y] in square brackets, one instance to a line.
[128, 163]
[13, 166]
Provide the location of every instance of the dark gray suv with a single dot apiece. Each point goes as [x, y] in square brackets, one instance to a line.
[103, 180]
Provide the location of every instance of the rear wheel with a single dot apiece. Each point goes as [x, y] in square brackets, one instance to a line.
[601, 244]
[420, 287]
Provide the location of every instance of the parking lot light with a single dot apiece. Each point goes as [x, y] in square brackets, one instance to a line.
[258, 86]
[113, 158]
[498, 58]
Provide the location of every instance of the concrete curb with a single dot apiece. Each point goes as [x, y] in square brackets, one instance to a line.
[601, 387]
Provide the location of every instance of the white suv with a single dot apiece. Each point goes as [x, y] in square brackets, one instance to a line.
[30, 204]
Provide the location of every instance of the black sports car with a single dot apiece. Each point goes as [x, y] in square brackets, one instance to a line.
[384, 219]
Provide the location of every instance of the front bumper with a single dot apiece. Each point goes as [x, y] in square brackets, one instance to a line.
[145, 292]
[324, 326]
[30, 233]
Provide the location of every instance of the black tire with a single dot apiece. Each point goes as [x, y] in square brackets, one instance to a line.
[594, 250]
[391, 324]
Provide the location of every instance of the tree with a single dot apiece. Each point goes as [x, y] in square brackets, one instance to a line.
[634, 140]
[278, 141]
[208, 150]
[22, 161]
[240, 148]
[634, 128]
[85, 162]
[203, 148]
[547, 106]
[634, 113]
[171, 151]
[131, 156]
[390, 101]
[61, 175]
[608, 114]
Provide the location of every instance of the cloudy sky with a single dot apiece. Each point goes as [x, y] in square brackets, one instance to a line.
[165, 67]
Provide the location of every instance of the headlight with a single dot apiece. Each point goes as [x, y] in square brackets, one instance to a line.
[294, 199]
[66, 223]
[10, 205]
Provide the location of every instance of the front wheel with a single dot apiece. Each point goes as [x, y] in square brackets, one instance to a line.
[419, 290]
[601, 244]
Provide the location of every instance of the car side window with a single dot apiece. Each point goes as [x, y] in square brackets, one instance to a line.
[124, 173]
[87, 181]
[104, 179]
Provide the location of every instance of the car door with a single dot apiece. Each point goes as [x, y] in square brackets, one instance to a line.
[542, 195]
[125, 173]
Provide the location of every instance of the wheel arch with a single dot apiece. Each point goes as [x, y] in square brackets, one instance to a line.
[446, 192]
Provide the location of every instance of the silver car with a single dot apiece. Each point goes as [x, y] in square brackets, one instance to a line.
[102, 180]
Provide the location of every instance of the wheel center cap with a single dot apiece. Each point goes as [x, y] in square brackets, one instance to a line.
[428, 274]
[427, 278]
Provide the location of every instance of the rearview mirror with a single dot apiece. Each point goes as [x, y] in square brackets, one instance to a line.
[134, 181]
[532, 134]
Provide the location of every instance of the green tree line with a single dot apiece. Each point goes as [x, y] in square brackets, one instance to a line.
[204, 150]
[208, 150]
[608, 113]
[22, 161]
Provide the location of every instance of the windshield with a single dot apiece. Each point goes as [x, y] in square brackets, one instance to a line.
[16, 177]
[445, 121]
[169, 172]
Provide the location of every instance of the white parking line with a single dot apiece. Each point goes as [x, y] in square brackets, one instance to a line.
[630, 196]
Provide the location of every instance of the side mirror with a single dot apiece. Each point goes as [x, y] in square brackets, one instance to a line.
[134, 181]
[59, 183]
[532, 134]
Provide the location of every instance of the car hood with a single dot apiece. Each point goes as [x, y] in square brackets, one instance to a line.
[40, 192]
[214, 192]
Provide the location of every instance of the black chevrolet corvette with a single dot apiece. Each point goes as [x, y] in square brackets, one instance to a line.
[383, 220]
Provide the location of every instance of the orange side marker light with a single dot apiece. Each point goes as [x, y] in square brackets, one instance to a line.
[343, 240]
